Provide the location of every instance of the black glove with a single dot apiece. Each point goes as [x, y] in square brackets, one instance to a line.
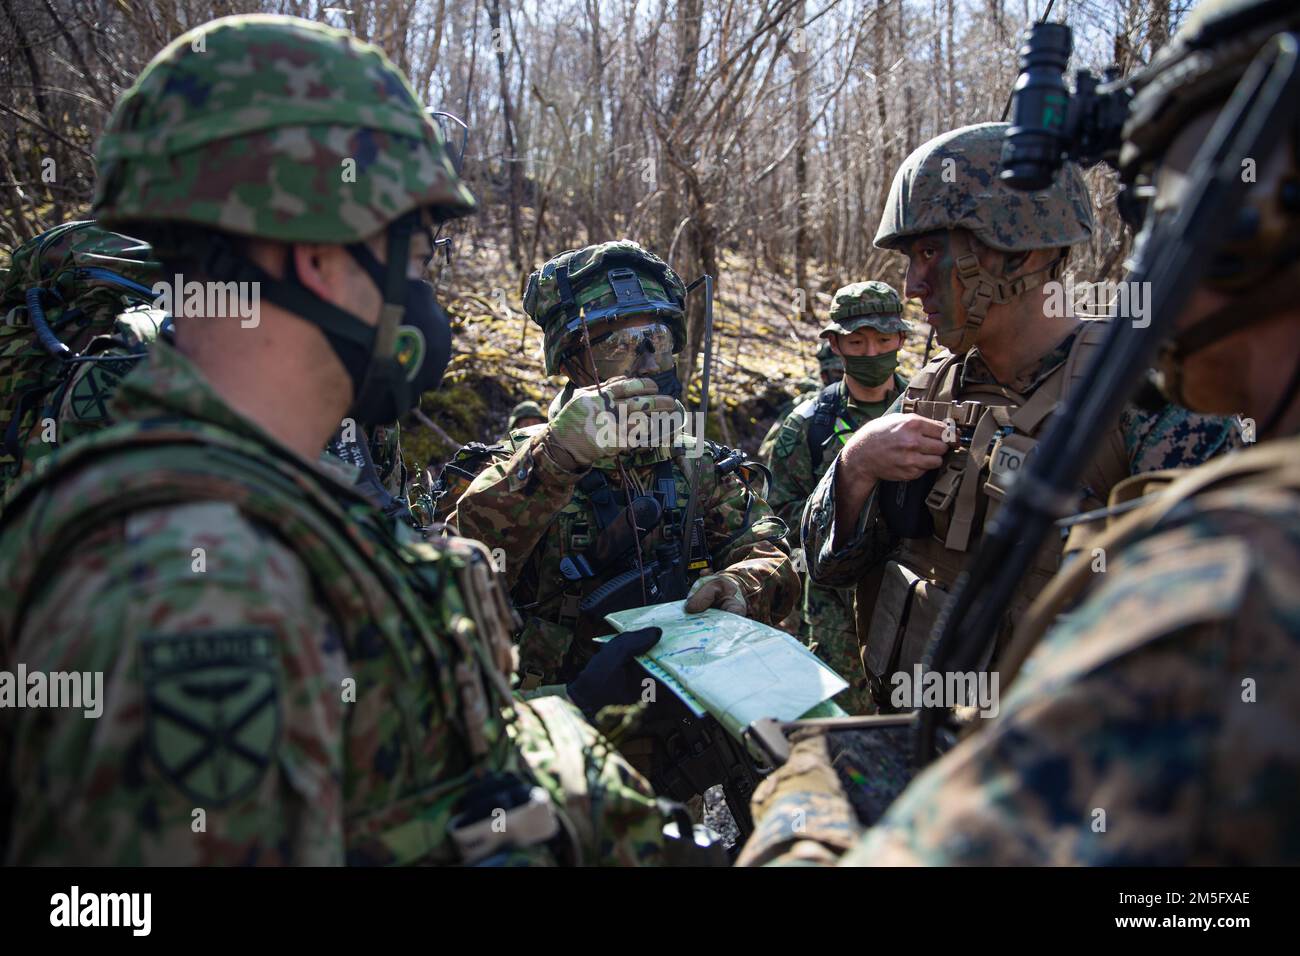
[613, 676]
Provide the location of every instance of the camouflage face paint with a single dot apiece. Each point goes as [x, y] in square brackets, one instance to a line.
[941, 303]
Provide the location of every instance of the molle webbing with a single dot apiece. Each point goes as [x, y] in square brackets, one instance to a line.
[988, 416]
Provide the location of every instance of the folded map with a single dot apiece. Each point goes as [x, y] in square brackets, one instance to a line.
[736, 669]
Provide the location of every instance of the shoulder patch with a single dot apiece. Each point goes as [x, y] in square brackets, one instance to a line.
[212, 709]
[789, 437]
[91, 390]
[787, 440]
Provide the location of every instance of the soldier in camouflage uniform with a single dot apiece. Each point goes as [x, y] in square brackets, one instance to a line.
[288, 678]
[613, 317]
[525, 415]
[915, 486]
[1156, 725]
[458, 473]
[371, 458]
[831, 368]
[93, 289]
[802, 389]
[829, 364]
[865, 329]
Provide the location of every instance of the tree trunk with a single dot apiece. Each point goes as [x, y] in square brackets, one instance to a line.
[883, 133]
[799, 61]
[689, 17]
[508, 134]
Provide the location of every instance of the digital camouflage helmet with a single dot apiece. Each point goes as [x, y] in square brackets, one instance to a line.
[601, 285]
[828, 361]
[951, 183]
[287, 130]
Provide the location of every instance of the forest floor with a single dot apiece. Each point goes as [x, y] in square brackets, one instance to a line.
[762, 349]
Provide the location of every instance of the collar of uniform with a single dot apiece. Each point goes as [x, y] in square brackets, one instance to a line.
[900, 386]
[169, 385]
[976, 371]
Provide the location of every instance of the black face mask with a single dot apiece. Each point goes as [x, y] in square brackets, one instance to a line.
[389, 377]
[414, 365]
[389, 365]
[669, 384]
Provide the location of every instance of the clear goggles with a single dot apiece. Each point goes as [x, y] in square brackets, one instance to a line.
[641, 350]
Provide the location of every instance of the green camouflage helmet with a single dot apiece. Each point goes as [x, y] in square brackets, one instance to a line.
[952, 182]
[525, 410]
[605, 283]
[872, 304]
[273, 127]
[828, 360]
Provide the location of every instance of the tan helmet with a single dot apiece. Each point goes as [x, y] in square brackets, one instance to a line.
[951, 183]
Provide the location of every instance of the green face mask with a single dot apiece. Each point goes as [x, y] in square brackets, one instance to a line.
[871, 370]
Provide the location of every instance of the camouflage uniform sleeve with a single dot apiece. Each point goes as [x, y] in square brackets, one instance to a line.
[219, 737]
[868, 544]
[1135, 735]
[801, 814]
[513, 500]
[756, 556]
[792, 471]
[611, 807]
[1174, 437]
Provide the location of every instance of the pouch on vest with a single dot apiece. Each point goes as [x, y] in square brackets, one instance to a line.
[542, 647]
[905, 611]
[1007, 459]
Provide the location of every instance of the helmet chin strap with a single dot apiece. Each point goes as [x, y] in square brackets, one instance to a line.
[982, 288]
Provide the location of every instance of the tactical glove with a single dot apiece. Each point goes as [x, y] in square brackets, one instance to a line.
[717, 590]
[592, 425]
[613, 676]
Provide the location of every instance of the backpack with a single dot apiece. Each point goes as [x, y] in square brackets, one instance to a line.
[458, 474]
[62, 300]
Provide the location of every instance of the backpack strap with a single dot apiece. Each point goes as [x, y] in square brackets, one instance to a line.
[827, 407]
[1272, 465]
